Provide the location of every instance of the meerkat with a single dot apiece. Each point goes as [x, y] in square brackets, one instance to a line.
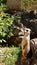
[25, 44]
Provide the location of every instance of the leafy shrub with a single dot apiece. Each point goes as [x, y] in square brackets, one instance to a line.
[12, 55]
[3, 1]
[3, 8]
[5, 24]
[29, 2]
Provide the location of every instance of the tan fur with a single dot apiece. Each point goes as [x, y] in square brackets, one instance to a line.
[25, 44]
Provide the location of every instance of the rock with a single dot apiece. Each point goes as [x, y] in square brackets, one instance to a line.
[32, 14]
[29, 19]
[34, 62]
[33, 24]
[33, 27]
[23, 62]
[34, 47]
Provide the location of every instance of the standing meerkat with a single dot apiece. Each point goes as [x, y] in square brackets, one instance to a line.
[25, 44]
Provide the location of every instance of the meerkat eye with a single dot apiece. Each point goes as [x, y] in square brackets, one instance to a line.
[27, 30]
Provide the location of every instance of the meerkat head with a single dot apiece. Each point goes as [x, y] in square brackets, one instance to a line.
[24, 32]
[27, 31]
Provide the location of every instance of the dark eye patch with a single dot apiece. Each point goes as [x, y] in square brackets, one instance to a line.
[27, 30]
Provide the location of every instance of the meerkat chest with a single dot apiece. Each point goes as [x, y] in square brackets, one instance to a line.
[28, 43]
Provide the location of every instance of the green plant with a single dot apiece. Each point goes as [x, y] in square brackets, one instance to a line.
[29, 3]
[5, 24]
[3, 1]
[3, 8]
[12, 55]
